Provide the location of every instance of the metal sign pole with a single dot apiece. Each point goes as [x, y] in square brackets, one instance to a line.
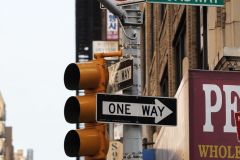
[132, 134]
[131, 17]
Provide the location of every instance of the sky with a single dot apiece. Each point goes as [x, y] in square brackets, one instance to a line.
[37, 42]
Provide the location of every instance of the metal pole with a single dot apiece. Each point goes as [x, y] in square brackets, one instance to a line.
[112, 7]
[132, 134]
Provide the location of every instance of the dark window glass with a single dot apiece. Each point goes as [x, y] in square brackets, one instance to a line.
[152, 30]
[162, 12]
[179, 50]
[164, 83]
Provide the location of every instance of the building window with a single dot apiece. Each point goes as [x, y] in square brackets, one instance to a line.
[164, 83]
[152, 31]
[162, 12]
[179, 49]
[202, 37]
[143, 41]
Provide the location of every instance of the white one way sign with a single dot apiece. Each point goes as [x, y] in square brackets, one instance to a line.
[158, 110]
[135, 109]
[120, 75]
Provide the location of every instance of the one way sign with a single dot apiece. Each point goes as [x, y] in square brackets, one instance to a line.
[136, 109]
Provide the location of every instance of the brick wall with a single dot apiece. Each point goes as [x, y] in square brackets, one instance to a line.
[159, 55]
[161, 47]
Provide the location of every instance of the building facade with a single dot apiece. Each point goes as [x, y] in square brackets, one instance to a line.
[179, 38]
[19, 155]
[6, 139]
[29, 154]
[2, 129]
[9, 149]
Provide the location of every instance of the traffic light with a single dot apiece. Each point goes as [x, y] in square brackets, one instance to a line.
[91, 141]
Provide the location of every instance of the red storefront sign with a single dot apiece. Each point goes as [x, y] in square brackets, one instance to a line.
[214, 98]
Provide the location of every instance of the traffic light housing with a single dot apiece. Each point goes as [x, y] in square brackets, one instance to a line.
[92, 141]
[92, 76]
[80, 109]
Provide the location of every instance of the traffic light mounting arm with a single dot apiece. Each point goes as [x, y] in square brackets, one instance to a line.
[108, 54]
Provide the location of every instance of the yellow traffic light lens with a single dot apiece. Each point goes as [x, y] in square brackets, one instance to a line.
[72, 77]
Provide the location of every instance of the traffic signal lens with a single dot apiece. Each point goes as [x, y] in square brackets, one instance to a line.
[82, 142]
[72, 110]
[72, 77]
[80, 109]
[72, 144]
[82, 76]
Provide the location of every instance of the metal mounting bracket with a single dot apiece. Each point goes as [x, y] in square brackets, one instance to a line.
[134, 17]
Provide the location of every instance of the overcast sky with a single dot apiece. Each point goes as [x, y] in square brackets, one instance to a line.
[37, 42]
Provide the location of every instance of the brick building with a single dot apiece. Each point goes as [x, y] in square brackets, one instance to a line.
[178, 38]
[6, 139]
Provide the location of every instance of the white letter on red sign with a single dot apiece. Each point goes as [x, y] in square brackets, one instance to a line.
[209, 109]
[230, 106]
